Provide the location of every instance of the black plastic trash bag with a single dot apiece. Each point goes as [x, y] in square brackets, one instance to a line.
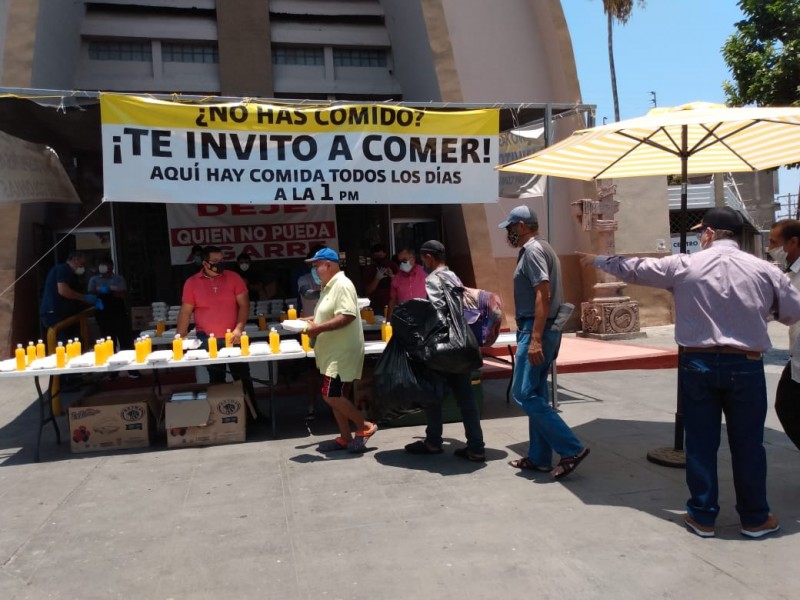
[415, 322]
[401, 385]
[453, 348]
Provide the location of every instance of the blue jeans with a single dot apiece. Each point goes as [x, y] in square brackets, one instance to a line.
[547, 430]
[461, 386]
[710, 385]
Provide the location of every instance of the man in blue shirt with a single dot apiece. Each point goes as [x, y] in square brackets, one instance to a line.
[62, 297]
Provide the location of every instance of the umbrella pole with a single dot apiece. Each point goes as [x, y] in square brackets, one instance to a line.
[675, 456]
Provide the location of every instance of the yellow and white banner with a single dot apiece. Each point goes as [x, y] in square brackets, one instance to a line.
[253, 153]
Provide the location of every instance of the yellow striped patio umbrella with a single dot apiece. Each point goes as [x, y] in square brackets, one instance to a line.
[696, 138]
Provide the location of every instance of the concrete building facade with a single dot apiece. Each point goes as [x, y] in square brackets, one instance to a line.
[444, 51]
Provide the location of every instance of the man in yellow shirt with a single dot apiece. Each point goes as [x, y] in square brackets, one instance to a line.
[339, 349]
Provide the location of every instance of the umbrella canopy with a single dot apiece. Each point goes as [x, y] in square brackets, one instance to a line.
[695, 138]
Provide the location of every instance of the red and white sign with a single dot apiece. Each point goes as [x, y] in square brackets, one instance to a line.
[267, 231]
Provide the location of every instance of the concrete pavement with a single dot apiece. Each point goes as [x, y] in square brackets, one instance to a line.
[275, 519]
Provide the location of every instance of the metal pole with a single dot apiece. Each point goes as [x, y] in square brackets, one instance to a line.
[675, 456]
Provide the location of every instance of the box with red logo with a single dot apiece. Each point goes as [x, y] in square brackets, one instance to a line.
[109, 422]
[216, 416]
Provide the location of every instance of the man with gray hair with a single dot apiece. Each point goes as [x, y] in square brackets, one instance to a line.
[538, 296]
[723, 298]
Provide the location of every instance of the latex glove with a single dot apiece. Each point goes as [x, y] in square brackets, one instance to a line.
[104, 290]
[90, 298]
[380, 273]
[98, 304]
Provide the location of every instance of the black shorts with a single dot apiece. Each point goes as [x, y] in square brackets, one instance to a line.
[335, 387]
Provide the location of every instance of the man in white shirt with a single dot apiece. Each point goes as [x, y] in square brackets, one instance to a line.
[784, 248]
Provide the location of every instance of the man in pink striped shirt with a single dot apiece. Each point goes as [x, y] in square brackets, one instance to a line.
[409, 282]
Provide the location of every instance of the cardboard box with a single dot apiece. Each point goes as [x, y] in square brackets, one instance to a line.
[219, 418]
[141, 316]
[110, 422]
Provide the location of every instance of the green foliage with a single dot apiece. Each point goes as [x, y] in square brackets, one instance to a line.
[764, 55]
[620, 10]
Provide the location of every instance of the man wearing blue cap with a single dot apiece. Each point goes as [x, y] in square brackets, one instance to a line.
[723, 298]
[538, 295]
[339, 349]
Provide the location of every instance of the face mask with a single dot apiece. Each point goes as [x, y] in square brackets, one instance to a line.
[80, 271]
[778, 254]
[513, 238]
[406, 266]
[315, 276]
[102, 269]
[216, 269]
[244, 266]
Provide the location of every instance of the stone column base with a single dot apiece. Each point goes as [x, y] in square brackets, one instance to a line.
[610, 318]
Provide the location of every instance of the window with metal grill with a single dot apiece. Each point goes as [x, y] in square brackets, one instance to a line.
[189, 53]
[351, 57]
[127, 51]
[302, 56]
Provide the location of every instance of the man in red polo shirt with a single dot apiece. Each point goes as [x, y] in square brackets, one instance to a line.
[219, 301]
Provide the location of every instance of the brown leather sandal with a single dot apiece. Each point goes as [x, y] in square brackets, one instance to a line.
[527, 464]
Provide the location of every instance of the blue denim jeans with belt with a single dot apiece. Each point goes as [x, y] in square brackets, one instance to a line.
[712, 385]
[547, 430]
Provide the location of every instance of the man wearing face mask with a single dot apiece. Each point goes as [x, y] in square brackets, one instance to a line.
[784, 248]
[432, 255]
[409, 282]
[723, 298]
[538, 295]
[339, 350]
[377, 278]
[113, 320]
[62, 297]
[219, 301]
[255, 287]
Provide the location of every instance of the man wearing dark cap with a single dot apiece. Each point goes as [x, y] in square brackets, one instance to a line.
[432, 255]
[377, 278]
[723, 298]
[538, 295]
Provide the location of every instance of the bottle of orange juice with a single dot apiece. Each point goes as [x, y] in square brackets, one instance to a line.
[31, 351]
[19, 354]
[383, 331]
[76, 348]
[177, 347]
[387, 332]
[370, 316]
[160, 327]
[274, 341]
[212, 346]
[141, 350]
[61, 356]
[148, 344]
[305, 342]
[262, 322]
[40, 351]
[291, 314]
[98, 353]
[228, 339]
[244, 342]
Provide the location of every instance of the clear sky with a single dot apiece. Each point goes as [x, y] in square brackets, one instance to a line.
[670, 47]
